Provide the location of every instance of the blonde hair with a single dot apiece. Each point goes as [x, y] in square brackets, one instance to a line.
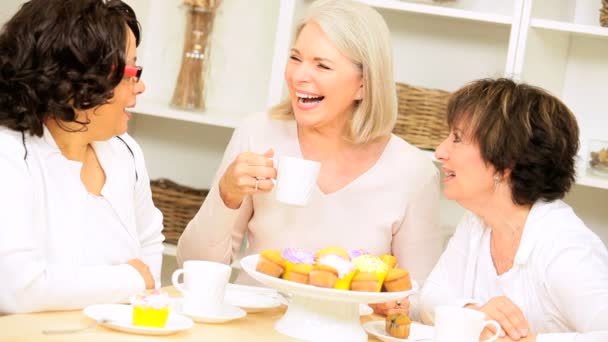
[360, 33]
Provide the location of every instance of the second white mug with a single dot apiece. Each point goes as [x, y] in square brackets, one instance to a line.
[456, 324]
[203, 287]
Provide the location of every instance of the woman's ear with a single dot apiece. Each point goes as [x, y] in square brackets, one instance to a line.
[360, 92]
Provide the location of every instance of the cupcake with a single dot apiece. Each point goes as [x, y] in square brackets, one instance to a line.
[345, 269]
[323, 276]
[397, 279]
[398, 324]
[390, 260]
[151, 309]
[371, 270]
[333, 250]
[298, 264]
[270, 262]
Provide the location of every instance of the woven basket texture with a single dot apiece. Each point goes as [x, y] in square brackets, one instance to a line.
[422, 115]
[604, 13]
[178, 203]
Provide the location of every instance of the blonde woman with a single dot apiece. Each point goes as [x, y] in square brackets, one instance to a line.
[375, 191]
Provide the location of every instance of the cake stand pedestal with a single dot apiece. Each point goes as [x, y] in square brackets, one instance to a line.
[321, 314]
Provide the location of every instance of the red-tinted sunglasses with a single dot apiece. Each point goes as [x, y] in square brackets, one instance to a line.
[134, 71]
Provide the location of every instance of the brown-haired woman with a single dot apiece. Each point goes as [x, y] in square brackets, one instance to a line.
[78, 223]
[520, 255]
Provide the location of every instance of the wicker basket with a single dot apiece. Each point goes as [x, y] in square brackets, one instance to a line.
[178, 204]
[422, 115]
[604, 13]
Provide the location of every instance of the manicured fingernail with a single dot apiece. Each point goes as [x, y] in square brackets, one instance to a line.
[524, 332]
[516, 336]
[502, 333]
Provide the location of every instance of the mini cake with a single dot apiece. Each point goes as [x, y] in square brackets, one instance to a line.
[323, 276]
[397, 279]
[346, 270]
[366, 282]
[270, 262]
[390, 260]
[369, 265]
[298, 264]
[151, 309]
[398, 324]
[333, 250]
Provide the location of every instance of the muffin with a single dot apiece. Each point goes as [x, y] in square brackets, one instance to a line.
[323, 276]
[151, 309]
[346, 270]
[270, 262]
[390, 260]
[333, 250]
[300, 273]
[298, 264]
[366, 282]
[398, 324]
[397, 279]
[369, 265]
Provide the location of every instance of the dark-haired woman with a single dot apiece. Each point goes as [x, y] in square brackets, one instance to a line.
[78, 225]
[521, 255]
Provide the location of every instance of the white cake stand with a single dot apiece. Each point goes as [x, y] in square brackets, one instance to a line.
[319, 314]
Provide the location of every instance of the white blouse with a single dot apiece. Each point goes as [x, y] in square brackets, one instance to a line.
[62, 249]
[559, 277]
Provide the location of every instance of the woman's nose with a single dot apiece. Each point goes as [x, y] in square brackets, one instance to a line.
[301, 73]
[139, 87]
[441, 150]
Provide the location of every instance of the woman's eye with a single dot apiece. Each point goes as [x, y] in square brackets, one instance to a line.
[325, 67]
[456, 138]
[294, 58]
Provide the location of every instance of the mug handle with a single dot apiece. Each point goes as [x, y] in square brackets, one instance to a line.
[498, 330]
[175, 281]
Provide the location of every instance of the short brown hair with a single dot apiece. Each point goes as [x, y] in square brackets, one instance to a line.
[522, 128]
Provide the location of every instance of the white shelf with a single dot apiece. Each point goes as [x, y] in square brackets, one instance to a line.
[441, 11]
[210, 116]
[578, 29]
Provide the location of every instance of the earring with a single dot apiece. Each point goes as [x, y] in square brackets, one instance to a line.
[496, 182]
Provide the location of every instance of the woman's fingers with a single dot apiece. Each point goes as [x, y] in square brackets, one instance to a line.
[508, 315]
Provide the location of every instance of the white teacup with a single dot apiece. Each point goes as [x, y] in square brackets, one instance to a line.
[204, 286]
[456, 324]
[296, 179]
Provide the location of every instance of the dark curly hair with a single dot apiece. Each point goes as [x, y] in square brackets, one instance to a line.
[522, 128]
[61, 55]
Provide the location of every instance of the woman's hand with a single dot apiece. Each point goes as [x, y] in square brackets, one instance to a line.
[507, 314]
[249, 173]
[487, 334]
[144, 271]
[401, 306]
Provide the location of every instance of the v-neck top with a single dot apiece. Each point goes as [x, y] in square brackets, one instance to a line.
[393, 207]
[60, 246]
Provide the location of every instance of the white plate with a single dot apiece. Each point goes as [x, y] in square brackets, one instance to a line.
[249, 263]
[418, 332]
[365, 310]
[252, 298]
[119, 317]
[229, 313]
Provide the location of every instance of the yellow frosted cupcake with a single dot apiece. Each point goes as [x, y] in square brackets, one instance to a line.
[151, 309]
[271, 263]
[390, 260]
[333, 250]
[374, 265]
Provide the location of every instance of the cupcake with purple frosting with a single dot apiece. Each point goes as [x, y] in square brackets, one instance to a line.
[298, 264]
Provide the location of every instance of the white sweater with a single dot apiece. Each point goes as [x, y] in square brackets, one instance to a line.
[391, 208]
[49, 259]
[559, 278]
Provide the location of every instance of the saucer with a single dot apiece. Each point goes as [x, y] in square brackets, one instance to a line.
[228, 313]
[252, 298]
[418, 332]
[120, 317]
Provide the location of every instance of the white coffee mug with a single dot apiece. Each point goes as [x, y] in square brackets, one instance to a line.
[296, 179]
[456, 324]
[204, 286]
